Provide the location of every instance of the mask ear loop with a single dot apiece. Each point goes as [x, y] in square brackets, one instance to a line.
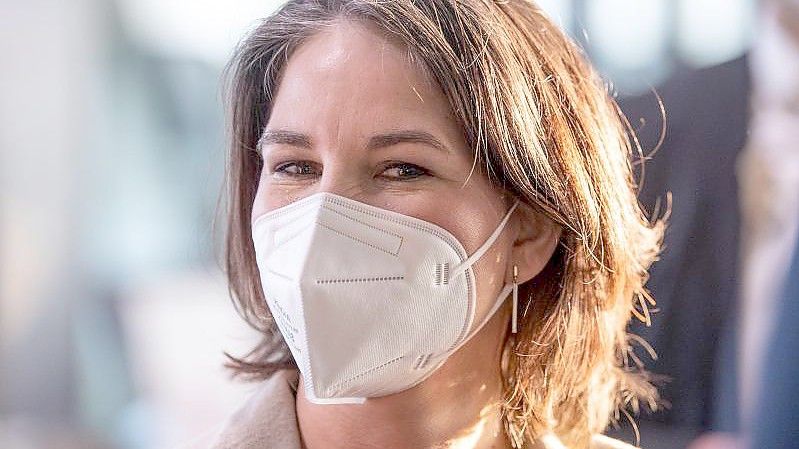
[503, 294]
[461, 267]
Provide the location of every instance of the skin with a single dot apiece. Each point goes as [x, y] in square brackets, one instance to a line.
[340, 88]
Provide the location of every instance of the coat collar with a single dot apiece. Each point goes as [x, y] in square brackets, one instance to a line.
[268, 419]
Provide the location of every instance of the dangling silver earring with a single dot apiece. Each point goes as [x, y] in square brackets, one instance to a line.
[514, 318]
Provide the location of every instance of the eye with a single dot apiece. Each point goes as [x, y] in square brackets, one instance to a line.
[403, 171]
[296, 168]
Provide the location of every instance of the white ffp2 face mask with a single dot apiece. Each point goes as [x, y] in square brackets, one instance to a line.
[369, 301]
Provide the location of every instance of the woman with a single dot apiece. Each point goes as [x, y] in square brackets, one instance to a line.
[433, 222]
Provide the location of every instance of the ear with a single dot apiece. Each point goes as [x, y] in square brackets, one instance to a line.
[535, 242]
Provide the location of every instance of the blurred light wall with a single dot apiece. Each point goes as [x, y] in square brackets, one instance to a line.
[48, 84]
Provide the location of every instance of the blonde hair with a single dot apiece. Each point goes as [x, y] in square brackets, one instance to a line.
[540, 120]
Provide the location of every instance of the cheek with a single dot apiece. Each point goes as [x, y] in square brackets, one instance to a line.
[472, 218]
[268, 197]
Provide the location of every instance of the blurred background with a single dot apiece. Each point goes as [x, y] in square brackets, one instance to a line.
[113, 310]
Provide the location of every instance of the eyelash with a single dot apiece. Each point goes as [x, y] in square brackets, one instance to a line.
[279, 168]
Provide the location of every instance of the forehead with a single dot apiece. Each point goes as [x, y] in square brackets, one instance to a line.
[350, 70]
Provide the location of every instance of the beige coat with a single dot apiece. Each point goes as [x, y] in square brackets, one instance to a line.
[267, 420]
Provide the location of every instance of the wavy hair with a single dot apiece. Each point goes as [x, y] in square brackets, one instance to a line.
[541, 121]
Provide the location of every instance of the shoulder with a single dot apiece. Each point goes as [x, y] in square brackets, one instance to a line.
[266, 419]
[687, 89]
[598, 441]
[689, 96]
[606, 442]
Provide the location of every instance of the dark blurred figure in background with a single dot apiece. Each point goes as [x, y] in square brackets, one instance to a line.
[731, 160]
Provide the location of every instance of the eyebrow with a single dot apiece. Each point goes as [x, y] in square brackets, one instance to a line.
[293, 138]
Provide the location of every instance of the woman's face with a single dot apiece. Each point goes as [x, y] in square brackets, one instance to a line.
[352, 116]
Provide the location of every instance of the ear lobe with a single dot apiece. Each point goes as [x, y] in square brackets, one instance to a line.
[535, 243]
